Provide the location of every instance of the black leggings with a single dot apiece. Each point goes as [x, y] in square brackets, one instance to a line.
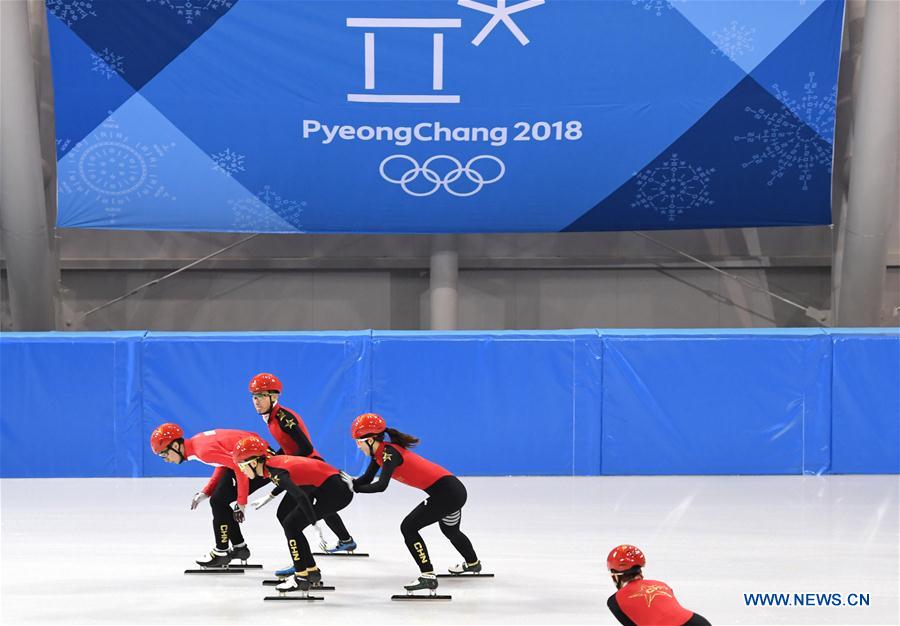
[225, 528]
[330, 497]
[336, 524]
[444, 504]
[334, 521]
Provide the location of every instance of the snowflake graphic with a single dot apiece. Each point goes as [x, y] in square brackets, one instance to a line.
[268, 211]
[733, 40]
[108, 63]
[653, 5]
[70, 11]
[789, 142]
[191, 9]
[62, 144]
[673, 187]
[113, 169]
[228, 162]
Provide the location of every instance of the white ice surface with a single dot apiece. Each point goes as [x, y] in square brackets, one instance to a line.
[112, 551]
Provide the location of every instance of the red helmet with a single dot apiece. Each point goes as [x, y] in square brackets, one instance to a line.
[265, 382]
[624, 557]
[249, 448]
[366, 425]
[164, 435]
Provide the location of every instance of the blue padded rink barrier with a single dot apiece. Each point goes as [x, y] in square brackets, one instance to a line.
[770, 456]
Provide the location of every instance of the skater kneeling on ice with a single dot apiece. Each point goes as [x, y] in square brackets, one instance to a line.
[446, 493]
[227, 484]
[315, 490]
[640, 602]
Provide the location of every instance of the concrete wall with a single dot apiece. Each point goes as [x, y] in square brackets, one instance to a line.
[309, 282]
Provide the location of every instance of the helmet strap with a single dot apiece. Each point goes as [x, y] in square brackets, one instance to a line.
[260, 470]
[618, 577]
[179, 450]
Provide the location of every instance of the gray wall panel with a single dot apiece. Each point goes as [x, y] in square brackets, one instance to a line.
[539, 281]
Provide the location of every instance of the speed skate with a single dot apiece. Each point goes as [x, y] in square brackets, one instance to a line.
[219, 562]
[289, 596]
[425, 582]
[215, 570]
[295, 588]
[215, 564]
[466, 570]
[271, 582]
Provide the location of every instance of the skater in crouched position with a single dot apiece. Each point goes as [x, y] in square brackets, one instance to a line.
[227, 484]
[446, 494]
[640, 602]
[292, 435]
[314, 491]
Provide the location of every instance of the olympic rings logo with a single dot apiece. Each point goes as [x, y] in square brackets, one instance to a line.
[434, 178]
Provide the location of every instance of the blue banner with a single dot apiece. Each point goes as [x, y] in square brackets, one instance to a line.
[444, 116]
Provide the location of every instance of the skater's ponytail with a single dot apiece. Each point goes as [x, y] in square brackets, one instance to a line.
[401, 439]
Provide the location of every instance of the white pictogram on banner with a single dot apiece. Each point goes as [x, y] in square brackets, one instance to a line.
[107, 63]
[70, 11]
[113, 170]
[228, 161]
[437, 74]
[653, 5]
[194, 9]
[733, 40]
[500, 13]
[673, 187]
[267, 211]
[794, 137]
[436, 179]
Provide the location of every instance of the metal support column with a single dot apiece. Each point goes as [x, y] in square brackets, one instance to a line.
[30, 259]
[872, 202]
[443, 283]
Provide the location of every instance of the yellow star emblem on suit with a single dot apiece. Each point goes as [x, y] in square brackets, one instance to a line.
[385, 457]
[649, 592]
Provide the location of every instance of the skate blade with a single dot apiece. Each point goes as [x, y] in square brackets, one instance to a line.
[340, 554]
[410, 596]
[215, 570]
[466, 575]
[287, 598]
[243, 565]
[277, 581]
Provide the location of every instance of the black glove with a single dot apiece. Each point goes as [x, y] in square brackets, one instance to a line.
[238, 512]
